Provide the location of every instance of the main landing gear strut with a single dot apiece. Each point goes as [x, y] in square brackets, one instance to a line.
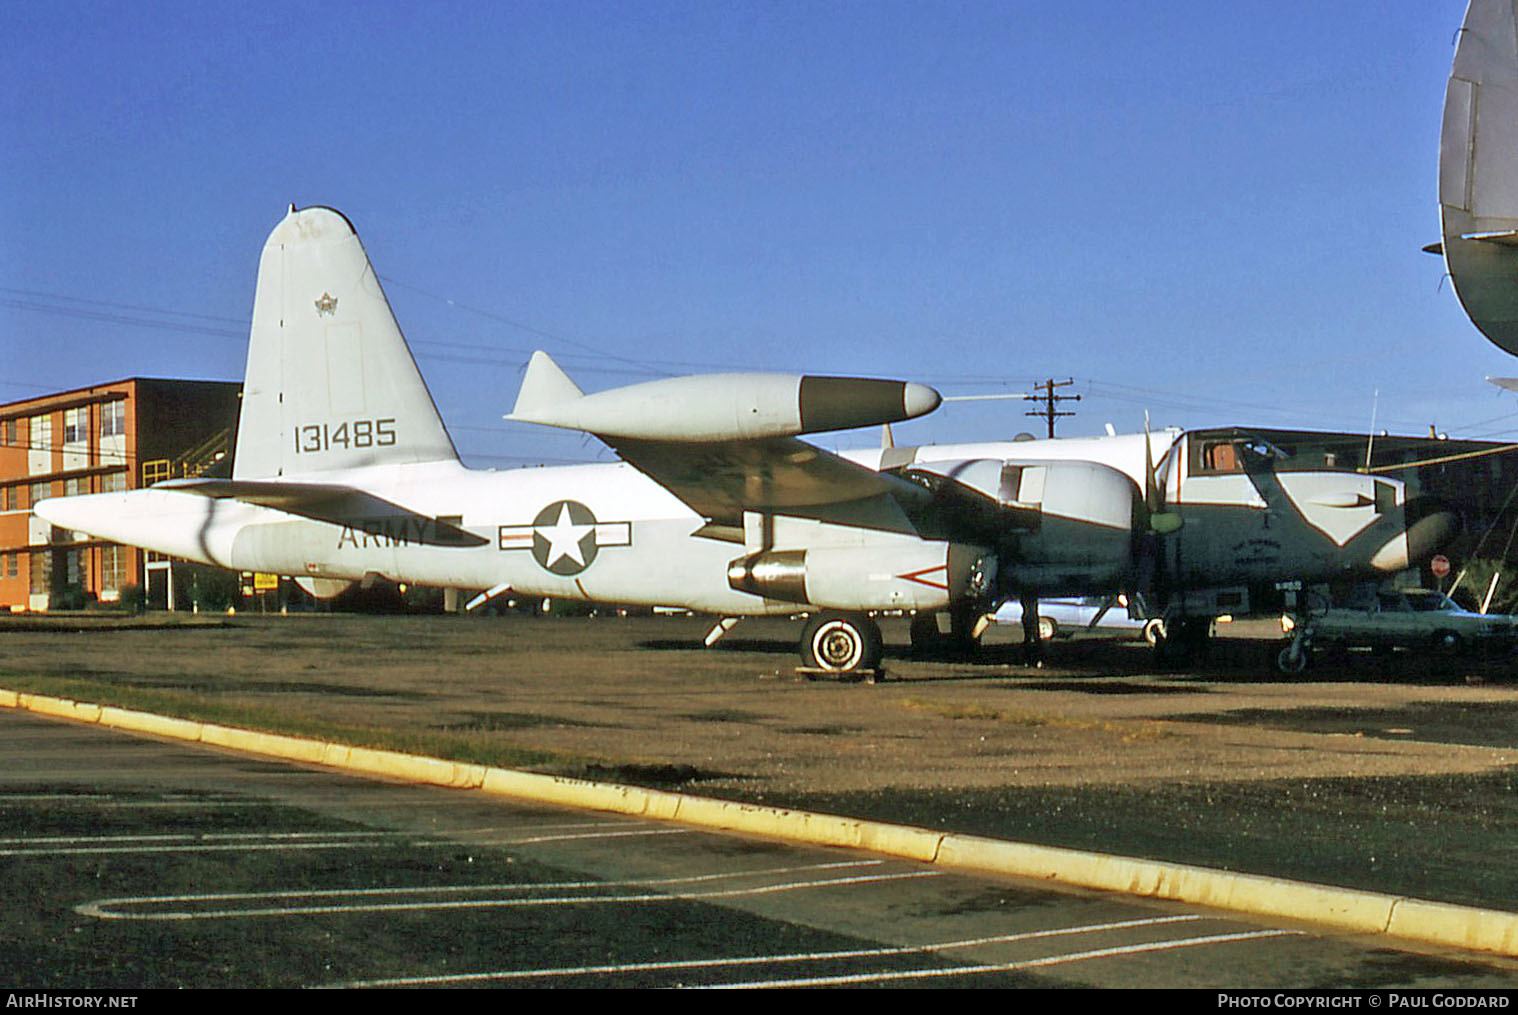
[1182, 641]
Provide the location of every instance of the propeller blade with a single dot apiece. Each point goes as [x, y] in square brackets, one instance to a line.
[1160, 520]
[1151, 486]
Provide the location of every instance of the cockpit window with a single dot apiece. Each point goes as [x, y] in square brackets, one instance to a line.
[1221, 457]
[1261, 452]
[1236, 454]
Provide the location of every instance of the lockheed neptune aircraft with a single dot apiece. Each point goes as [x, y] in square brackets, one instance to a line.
[343, 471]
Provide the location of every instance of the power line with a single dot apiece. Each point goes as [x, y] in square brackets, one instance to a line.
[1051, 400]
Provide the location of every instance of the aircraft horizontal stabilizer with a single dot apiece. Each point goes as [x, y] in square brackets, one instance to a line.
[336, 504]
[717, 407]
[1505, 237]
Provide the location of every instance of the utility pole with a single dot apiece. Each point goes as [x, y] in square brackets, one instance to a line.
[1050, 400]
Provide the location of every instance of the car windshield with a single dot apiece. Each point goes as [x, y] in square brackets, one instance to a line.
[1430, 601]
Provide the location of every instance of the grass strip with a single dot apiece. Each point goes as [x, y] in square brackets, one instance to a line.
[482, 747]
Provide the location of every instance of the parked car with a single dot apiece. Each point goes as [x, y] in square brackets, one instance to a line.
[1409, 618]
[1066, 616]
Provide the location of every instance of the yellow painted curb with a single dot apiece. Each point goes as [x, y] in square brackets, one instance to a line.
[61, 707]
[407, 767]
[147, 722]
[1343, 909]
[1457, 926]
[273, 745]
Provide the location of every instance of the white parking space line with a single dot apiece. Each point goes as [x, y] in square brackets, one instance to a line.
[212, 842]
[106, 801]
[886, 976]
[51, 840]
[90, 798]
[676, 965]
[533, 839]
[192, 843]
[508, 895]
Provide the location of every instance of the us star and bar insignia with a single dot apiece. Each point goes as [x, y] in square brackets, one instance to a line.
[565, 537]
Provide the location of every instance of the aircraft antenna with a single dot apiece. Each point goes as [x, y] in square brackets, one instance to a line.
[1370, 438]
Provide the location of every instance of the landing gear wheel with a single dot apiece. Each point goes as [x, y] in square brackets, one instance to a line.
[841, 643]
[924, 634]
[1293, 659]
[1154, 630]
[1182, 641]
[1448, 643]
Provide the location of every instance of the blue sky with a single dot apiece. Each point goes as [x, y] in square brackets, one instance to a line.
[1210, 211]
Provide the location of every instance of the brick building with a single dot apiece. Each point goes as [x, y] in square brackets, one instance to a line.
[110, 437]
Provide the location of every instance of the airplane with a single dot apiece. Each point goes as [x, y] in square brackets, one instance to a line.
[1478, 184]
[343, 471]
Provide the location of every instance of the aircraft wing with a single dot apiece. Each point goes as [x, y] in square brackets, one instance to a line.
[726, 443]
[334, 503]
[723, 479]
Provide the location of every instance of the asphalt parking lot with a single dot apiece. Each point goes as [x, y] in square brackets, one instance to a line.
[1398, 780]
[132, 864]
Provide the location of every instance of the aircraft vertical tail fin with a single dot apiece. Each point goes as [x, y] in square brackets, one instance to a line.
[330, 383]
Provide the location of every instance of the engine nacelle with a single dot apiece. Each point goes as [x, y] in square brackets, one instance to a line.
[1058, 527]
[907, 576]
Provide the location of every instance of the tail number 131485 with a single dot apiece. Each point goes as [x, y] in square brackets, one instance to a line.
[358, 433]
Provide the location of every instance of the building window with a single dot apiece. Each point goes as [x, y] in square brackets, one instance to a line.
[78, 568]
[8, 433]
[42, 433]
[12, 566]
[41, 569]
[76, 424]
[112, 419]
[10, 498]
[112, 568]
[76, 486]
[113, 482]
[41, 491]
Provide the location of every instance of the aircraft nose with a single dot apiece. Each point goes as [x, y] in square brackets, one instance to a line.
[1430, 525]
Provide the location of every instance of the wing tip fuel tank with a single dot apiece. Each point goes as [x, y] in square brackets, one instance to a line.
[717, 407]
